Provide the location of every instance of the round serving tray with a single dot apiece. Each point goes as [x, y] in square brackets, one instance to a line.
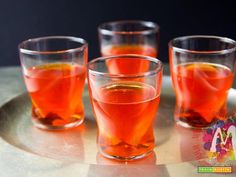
[22, 143]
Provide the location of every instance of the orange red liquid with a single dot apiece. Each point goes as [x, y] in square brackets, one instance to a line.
[125, 113]
[129, 49]
[128, 65]
[201, 92]
[56, 93]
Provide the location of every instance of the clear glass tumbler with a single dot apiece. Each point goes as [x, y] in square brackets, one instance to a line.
[202, 70]
[54, 70]
[125, 106]
[128, 37]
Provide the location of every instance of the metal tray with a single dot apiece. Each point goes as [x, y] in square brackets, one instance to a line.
[29, 151]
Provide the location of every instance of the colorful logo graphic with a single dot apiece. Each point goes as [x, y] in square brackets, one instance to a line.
[220, 140]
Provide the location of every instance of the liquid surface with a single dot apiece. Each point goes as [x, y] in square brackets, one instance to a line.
[56, 93]
[201, 91]
[125, 113]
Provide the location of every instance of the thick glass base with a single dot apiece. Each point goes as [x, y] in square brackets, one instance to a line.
[38, 124]
[149, 159]
[187, 125]
[129, 158]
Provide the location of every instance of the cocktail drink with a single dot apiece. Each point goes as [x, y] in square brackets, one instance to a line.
[55, 90]
[129, 49]
[55, 79]
[124, 108]
[128, 37]
[128, 66]
[133, 107]
[202, 74]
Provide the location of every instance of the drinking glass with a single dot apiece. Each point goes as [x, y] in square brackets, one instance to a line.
[125, 106]
[202, 71]
[128, 37]
[54, 70]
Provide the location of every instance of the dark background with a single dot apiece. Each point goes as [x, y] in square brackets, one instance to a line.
[23, 19]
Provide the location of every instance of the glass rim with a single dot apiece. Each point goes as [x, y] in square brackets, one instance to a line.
[154, 27]
[83, 43]
[139, 75]
[223, 39]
